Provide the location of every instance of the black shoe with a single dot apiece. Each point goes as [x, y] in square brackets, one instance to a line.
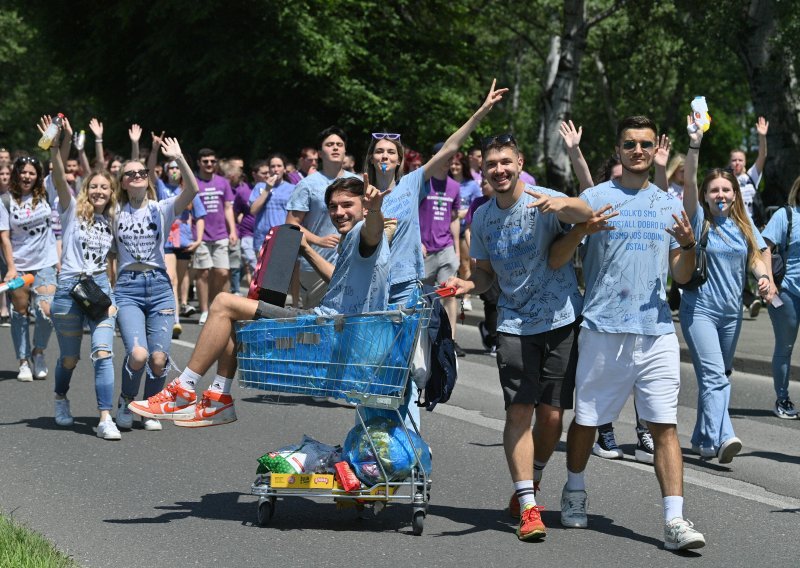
[459, 352]
[188, 310]
[645, 449]
[484, 335]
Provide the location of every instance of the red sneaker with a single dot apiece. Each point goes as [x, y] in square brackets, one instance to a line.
[513, 503]
[531, 526]
[173, 403]
[214, 409]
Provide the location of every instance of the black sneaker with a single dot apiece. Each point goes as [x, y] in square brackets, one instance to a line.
[645, 448]
[785, 409]
[459, 352]
[188, 310]
[606, 446]
[484, 335]
[755, 307]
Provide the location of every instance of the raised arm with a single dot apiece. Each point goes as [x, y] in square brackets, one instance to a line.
[663, 147]
[568, 209]
[80, 146]
[762, 127]
[99, 154]
[690, 169]
[372, 230]
[152, 158]
[572, 140]
[172, 150]
[265, 195]
[135, 133]
[59, 174]
[437, 165]
[563, 248]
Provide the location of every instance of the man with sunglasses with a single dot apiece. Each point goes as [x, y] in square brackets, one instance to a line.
[306, 208]
[537, 312]
[211, 258]
[627, 341]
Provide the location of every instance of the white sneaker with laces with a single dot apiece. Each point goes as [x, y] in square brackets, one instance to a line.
[680, 534]
[151, 424]
[39, 367]
[467, 305]
[573, 509]
[124, 415]
[108, 430]
[203, 318]
[25, 375]
[62, 414]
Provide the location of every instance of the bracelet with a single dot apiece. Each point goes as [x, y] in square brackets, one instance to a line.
[690, 246]
[98, 140]
[693, 147]
[762, 276]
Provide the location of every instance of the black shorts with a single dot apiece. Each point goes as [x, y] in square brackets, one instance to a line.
[539, 368]
[180, 253]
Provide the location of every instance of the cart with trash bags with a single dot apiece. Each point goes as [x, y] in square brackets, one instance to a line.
[364, 359]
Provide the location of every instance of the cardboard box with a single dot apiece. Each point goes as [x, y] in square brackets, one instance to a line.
[302, 480]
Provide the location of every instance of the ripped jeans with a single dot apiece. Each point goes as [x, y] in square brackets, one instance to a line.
[146, 314]
[43, 326]
[68, 320]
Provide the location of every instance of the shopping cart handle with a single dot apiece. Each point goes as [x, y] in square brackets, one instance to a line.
[446, 291]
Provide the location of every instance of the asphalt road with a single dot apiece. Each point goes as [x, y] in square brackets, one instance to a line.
[181, 498]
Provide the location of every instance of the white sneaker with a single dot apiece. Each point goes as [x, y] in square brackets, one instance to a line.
[151, 424]
[25, 375]
[573, 509]
[108, 430]
[203, 318]
[467, 305]
[679, 534]
[39, 367]
[729, 449]
[62, 414]
[124, 415]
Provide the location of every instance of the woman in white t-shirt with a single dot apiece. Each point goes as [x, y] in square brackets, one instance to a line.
[34, 252]
[143, 290]
[86, 224]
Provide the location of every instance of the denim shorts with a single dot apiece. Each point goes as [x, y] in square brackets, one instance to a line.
[68, 320]
[146, 307]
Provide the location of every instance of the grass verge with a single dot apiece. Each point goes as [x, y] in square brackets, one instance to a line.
[20, 547]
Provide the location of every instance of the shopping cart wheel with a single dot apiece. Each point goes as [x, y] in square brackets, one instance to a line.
[266, 508]
[418, 522]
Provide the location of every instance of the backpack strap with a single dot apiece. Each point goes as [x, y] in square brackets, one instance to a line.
[6, 198]
[789, 226]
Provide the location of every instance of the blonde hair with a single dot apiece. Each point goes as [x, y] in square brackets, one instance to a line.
[122, 194]
[738, 212]
[793, 193]
[676, 163]
[84, 209]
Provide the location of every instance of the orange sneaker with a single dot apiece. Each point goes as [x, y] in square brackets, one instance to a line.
[531, 526]
[513, 503]
[173, 403]
[214, 409]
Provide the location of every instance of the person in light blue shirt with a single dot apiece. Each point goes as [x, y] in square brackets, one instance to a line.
[511, 236]
[784, 310]
[269, 199]
[627, 341]
[711, 315]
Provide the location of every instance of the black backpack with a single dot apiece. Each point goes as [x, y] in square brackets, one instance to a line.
[778, 258]
[443, 373]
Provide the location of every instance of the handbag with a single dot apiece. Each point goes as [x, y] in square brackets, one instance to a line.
[700, 273]
[90, 297]
[778, 261]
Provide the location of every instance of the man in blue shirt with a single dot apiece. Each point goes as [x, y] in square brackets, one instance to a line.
[537, 312]
[358, 283]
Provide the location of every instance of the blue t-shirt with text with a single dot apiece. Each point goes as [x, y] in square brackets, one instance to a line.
[403, 204]
[775, 232]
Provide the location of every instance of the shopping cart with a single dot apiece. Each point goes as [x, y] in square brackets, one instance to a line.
[364, 359]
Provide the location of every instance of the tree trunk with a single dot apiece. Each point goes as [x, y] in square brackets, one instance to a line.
[776, 96]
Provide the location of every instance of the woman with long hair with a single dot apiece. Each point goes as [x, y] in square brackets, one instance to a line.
[711, 315]
[143, 290]
[268, 200]
[5, 185]
[86, 225]
[785, 315]
[34, 252]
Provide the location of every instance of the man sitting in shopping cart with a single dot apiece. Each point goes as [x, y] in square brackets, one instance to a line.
[358, 283]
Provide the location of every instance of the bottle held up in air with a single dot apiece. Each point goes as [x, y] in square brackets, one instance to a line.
[700, 116]
[50, 134]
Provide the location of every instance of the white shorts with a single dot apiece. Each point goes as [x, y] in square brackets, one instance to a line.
[611, 365]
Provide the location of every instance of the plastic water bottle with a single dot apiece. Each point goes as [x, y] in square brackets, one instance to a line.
[50, 134]
[80, 140]
[702, 120]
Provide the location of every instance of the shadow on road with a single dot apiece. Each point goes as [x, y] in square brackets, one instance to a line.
[83, 424]
[751, 412]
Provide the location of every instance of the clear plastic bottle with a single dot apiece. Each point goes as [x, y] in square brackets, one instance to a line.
[80, 140]
[50, 134]
[702, 120]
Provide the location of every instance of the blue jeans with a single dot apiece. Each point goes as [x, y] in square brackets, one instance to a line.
[68, 320]
[43, 326]
[146, 314]
[784, 325]
[712, 342]
[408, 410]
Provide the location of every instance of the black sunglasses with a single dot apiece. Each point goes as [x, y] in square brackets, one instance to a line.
[498, 140]
[631, 144]
[131, 175]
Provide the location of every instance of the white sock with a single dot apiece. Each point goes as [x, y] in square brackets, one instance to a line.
[575, 481]
[189, 379]
[222, 384]
[525, 494]
[538, 470]
[673, 507]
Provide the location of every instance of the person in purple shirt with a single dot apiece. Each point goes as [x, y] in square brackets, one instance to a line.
[211, 258]
[244, 227]
[439, 227]
[307, 164]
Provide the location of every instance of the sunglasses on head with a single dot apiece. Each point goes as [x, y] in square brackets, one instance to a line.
[27, 160]
[133, 174]
[208, 161]
[631, 144]
[386, 135]
[498, 140]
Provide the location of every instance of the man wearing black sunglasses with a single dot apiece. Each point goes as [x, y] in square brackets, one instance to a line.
[537, 312]
[627, 340]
